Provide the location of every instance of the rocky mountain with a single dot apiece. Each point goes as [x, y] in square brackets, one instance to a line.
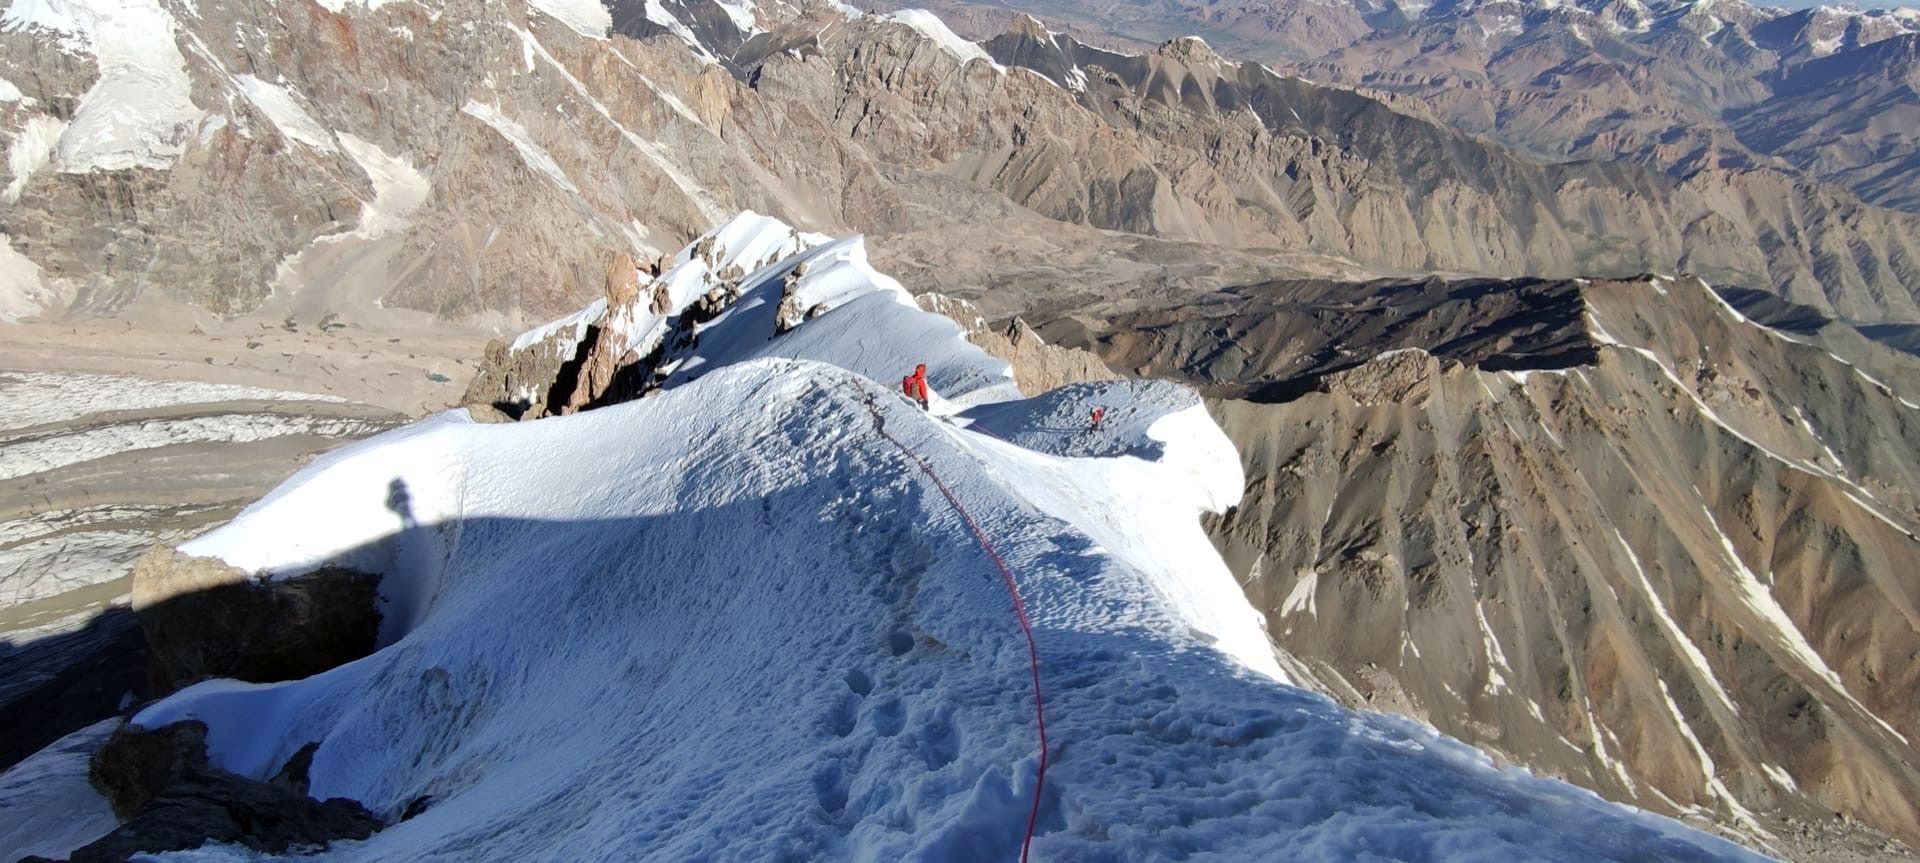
[508, 161]
[1617, 531]
[1849, 116]
[1677, 86]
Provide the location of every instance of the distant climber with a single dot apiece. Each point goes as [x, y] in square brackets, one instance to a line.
[1098, 415]
[915, 385]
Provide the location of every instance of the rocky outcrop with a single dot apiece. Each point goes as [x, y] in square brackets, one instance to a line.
[206, 619]
[1403, 376]
[529, 382]
[618, 348]
[1037, 366]
[606, 365]
[169, 798]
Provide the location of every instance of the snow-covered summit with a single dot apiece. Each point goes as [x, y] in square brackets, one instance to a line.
[762, 614]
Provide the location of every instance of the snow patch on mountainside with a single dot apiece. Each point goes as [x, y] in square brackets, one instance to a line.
[654, 152]
[531, 153]
[138, 112]
[937, 31]
[578, 322]
[21, 293]
[742, 13]
[283, 109]
[398, 187]
[32, 148]
[586, 17]
[70, 22]
[37, 455]
[344, 5]
[657, 13]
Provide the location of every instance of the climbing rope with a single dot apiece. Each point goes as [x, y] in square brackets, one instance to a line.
[1013, 590]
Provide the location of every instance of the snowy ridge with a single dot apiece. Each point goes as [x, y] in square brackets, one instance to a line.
[736, 620]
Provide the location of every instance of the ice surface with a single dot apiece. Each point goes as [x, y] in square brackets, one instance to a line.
[31, 149]
[738, 619]
[37, 455]
[47, 553]
[29, 399]
[138, 112]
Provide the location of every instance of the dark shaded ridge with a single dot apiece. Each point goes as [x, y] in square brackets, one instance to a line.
[163, 790]
[1774, 311]
[1791, 317]
[1276, 341]
[259, 632]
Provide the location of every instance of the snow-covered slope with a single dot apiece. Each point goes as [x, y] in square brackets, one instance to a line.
[761, 614]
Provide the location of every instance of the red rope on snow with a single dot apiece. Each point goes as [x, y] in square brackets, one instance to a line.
[1019, 610]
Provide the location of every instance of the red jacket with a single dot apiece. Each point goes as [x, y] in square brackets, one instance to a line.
[915, 385]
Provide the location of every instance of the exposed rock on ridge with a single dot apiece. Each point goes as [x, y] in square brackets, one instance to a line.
[204, 619]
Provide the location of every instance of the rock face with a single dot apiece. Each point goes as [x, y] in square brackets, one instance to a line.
[205, 619]
[1404, 376]
[600, 379]
[1037, 366]
[1679, 86]
[1618, 533]
[170, 799]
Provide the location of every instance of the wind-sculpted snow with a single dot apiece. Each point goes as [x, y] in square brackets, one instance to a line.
[734, 622]
[749, 617]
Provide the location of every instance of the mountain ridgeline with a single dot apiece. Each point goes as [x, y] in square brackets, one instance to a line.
[464, 193]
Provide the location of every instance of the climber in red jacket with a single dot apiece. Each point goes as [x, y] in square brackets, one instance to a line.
[915, 385]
